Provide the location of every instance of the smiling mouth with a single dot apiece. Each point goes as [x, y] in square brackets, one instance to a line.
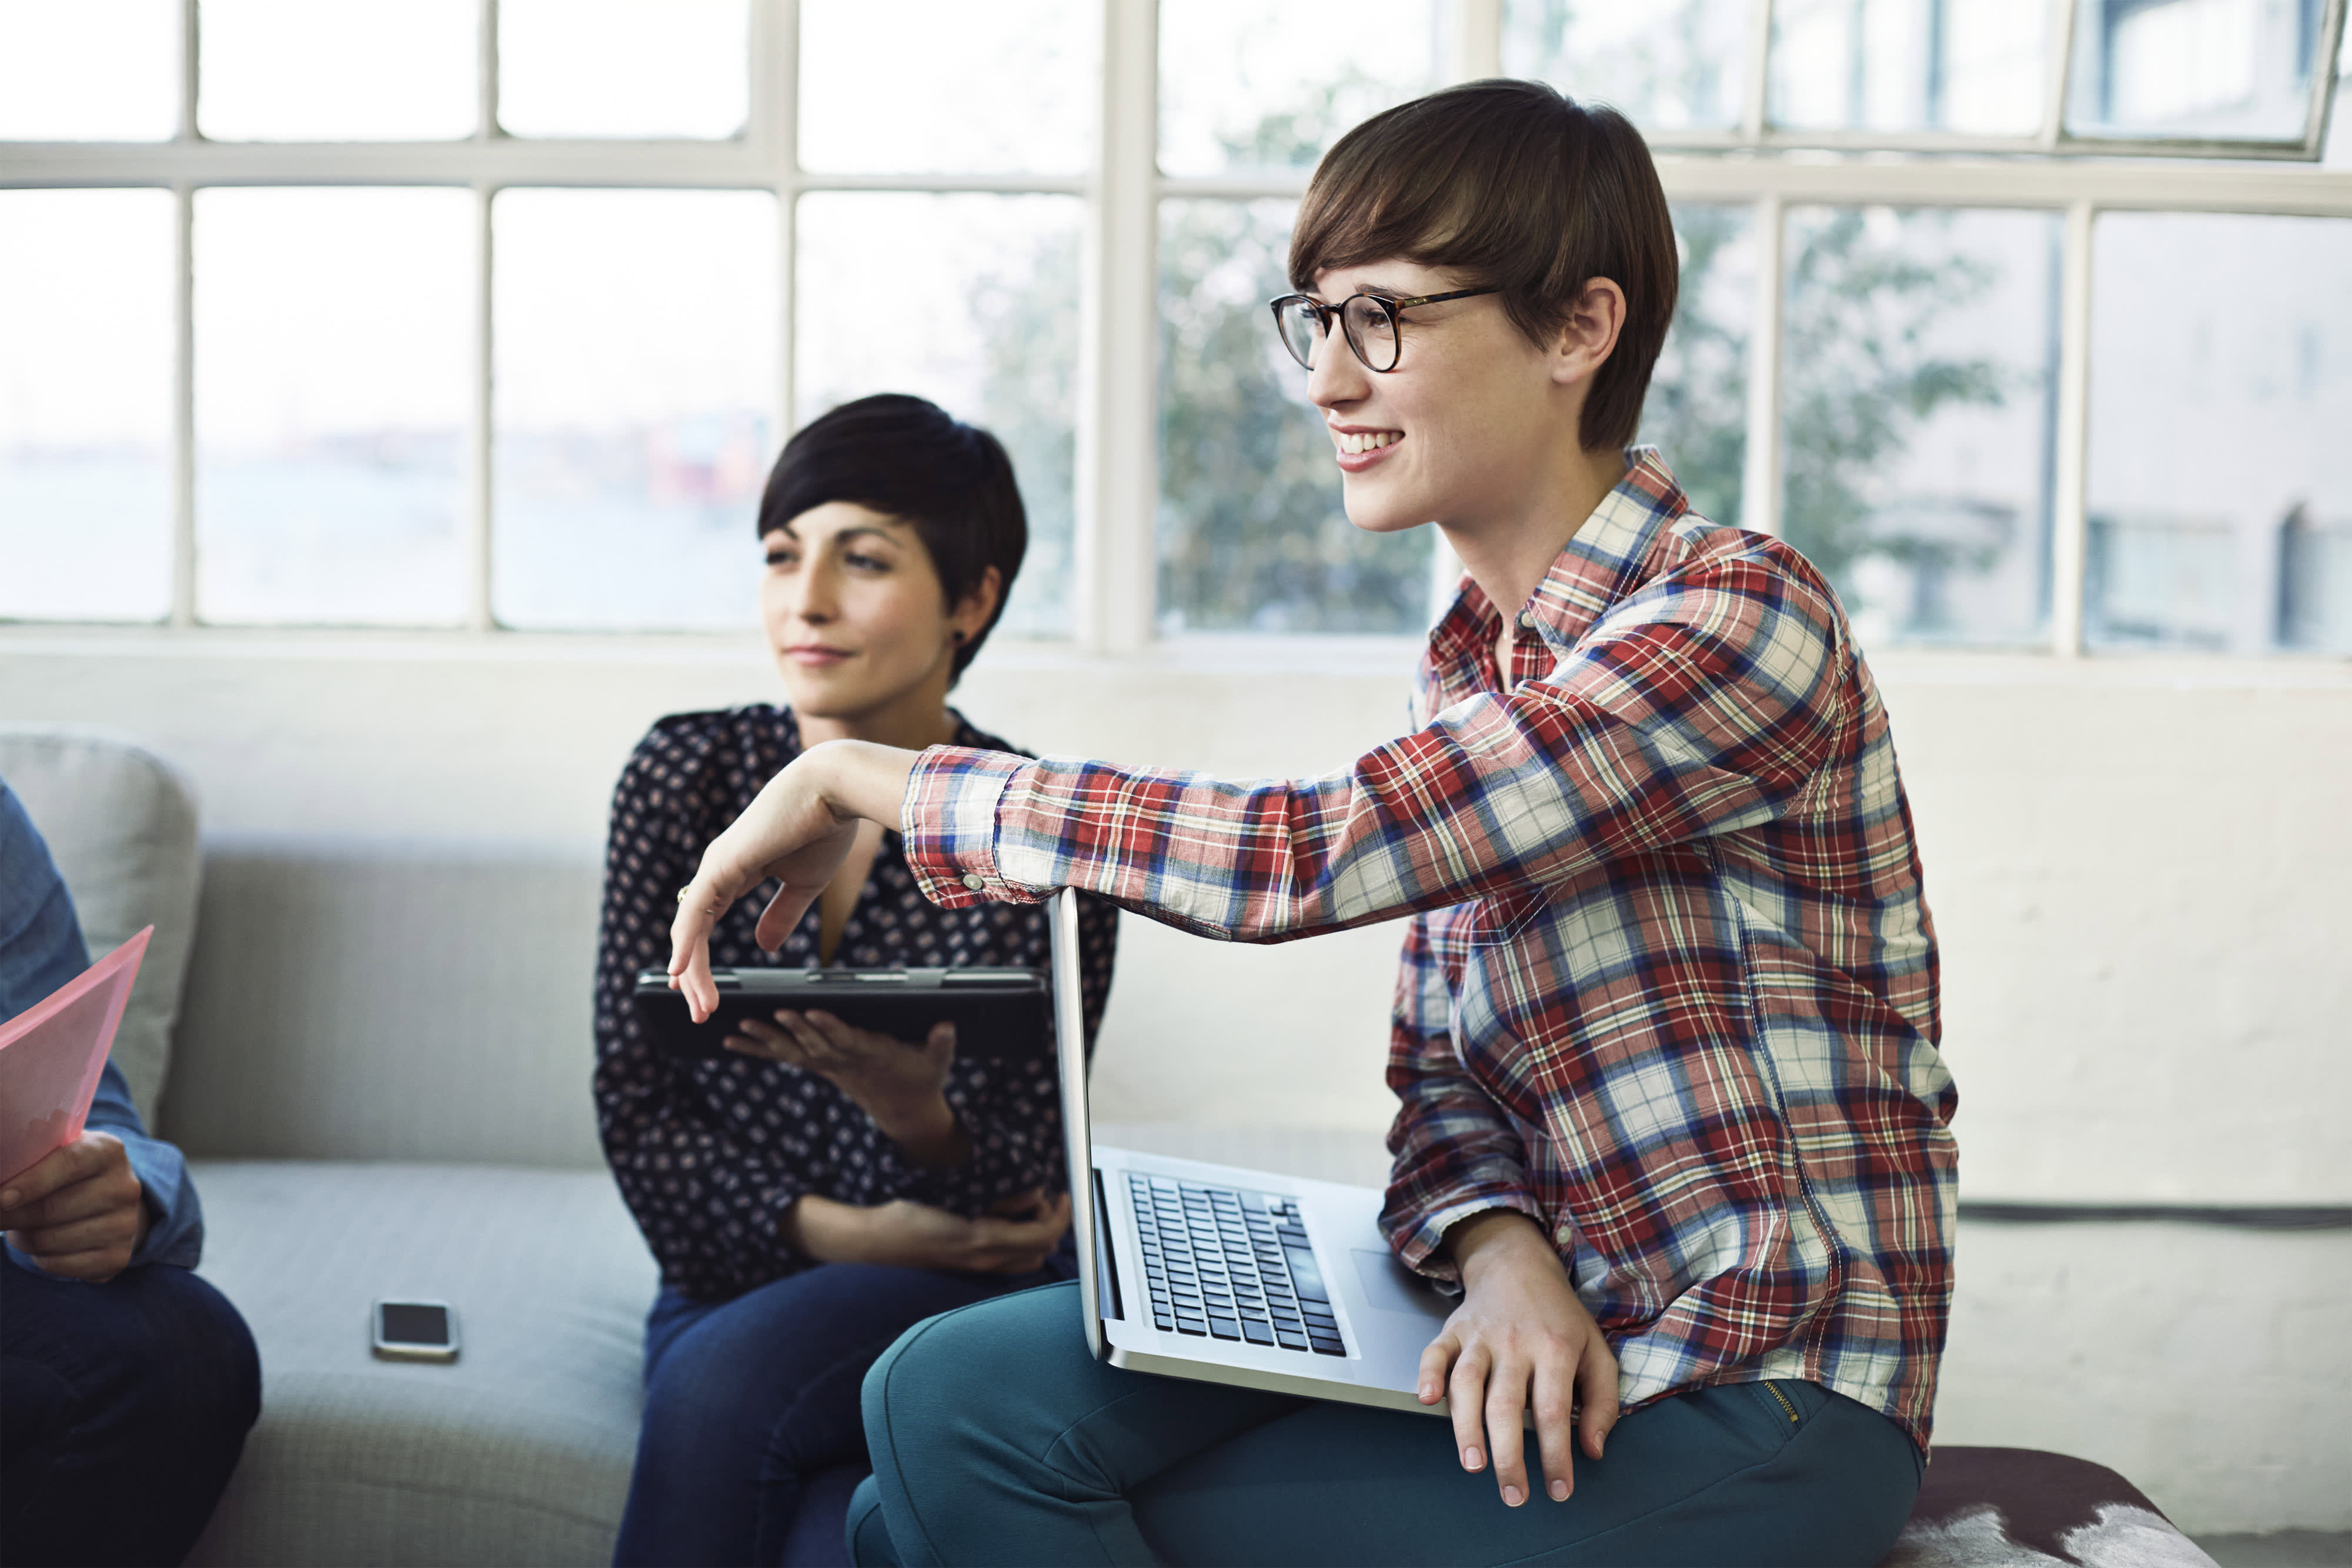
[811, 653]
[1354, 442]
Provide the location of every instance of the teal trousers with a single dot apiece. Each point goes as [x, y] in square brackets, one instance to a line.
[996, 1439]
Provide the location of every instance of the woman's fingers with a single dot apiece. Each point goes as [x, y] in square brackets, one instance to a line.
[1507, 1403]
[1596, 1380]
[1468, 1390]
[761, 1038]
[1554, 1387]
[698, 908]
[1437, 1364]
[818, 1046]
[783, 916]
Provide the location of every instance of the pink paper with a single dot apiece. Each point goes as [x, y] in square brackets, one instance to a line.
[52, 1054]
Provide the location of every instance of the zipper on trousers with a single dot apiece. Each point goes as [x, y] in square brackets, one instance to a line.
[1782, 1401]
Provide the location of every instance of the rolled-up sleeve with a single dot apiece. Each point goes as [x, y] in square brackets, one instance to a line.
[948, 820]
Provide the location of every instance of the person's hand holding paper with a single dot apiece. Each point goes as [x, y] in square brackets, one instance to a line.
[80, 1213]
[68, 1198]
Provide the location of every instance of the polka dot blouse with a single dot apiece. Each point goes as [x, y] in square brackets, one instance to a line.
[709, 1154]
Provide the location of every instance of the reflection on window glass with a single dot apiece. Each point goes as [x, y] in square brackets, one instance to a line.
[85, 404]
[914, 86]
[351, 70]
[994, 341]
[2221, 506]
[635, 374]
[1909, 65]
[2222, 69]
[333, 378]
[96, 70]
[624, 68]
[1696, 413]
[1918, 353]
[1252, 536]
[1247, 85]
[1669, 65]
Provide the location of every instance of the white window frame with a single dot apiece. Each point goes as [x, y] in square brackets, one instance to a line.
[1116, 566]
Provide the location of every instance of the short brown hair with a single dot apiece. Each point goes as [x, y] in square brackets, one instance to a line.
[1510, 185]
[908, 458]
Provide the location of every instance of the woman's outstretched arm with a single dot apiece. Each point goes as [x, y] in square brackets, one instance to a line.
[1700, 706]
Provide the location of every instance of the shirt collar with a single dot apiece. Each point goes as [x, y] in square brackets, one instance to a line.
[1595, 569]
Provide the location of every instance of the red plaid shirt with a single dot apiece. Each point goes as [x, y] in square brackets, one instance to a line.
[1669, 986]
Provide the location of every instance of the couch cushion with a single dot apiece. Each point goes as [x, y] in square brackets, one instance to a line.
[519, 1452]
[121, 823]
[390, 1001]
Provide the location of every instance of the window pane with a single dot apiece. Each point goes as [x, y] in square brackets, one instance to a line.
[2222, 69]
[96, 70]
[1248, 87]
[333, 380]
[337, 70]
[1015, 94]
[637, 377]
[1918, 352]
[2221, 506]
[1696, 413]
[1252, 534]
[624, 68]
[1670, 65]
[1909, 65]
[85, 404]
[994, 341]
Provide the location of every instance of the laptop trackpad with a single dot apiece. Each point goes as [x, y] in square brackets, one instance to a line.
[1394, 1287]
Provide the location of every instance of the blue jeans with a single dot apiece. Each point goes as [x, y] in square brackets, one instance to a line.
[123, 1408]
[752, 1442]
[1072, 1461]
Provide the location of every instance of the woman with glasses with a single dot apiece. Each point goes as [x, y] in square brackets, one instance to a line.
[1672, 1119]
[824, 1188]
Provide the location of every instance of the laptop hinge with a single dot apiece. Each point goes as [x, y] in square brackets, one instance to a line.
[1107, 1293]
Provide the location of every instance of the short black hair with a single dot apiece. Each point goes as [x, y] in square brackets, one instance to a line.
[1510, 185]
[908, 458]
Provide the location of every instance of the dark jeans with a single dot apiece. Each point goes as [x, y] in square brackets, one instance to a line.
[997, 1439]
[752, 1442]
[123, 1408]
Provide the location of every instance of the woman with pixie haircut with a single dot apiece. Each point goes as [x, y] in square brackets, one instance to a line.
[1672, 1118]
[813, 1197]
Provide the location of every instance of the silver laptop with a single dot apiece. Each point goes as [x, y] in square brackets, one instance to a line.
[1228, 1275]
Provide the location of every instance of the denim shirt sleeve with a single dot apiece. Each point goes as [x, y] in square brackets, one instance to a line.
[41, 948]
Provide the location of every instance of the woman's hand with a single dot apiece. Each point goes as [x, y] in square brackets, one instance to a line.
[1016, 1237]
[798, 829]
[1519, 1332]
[901, 1085]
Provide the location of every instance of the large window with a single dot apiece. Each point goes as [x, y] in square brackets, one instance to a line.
[2029, 320]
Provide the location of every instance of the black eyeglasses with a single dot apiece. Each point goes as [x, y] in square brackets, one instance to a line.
[1369, 321]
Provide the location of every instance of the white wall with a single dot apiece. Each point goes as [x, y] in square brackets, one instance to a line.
[2137, 869]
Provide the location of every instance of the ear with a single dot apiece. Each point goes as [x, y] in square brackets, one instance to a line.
[973, 610]
[1588, 335]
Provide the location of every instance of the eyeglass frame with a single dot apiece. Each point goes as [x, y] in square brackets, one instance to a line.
[1389, 308]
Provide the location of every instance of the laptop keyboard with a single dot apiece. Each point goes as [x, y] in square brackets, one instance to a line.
[1228, 1264]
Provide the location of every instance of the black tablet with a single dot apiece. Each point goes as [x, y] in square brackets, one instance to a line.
[999, 1014]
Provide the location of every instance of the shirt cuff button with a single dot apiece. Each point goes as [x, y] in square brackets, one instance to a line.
[975, 881]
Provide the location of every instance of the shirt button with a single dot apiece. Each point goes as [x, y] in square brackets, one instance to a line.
[975, 881]
[1527, 619]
